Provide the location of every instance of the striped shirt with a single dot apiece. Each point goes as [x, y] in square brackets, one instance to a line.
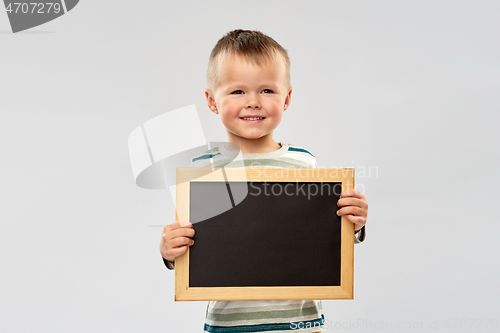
[266, 315]
[261, 316]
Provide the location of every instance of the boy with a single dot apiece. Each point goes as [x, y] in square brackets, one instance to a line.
[249, 88]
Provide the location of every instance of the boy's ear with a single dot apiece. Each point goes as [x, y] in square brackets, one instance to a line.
[288, 99]
[210, 100]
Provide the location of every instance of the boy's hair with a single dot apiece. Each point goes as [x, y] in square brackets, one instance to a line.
[253, 45]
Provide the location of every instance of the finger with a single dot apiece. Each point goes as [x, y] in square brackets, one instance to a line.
[350, 201]
[352, 210]
[175, 252]
[352, 193]
[185, 224]
[177, 224]
[179, 232]
[358, 221]
[180, 241]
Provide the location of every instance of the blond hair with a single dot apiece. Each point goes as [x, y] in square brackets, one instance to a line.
[253, 46]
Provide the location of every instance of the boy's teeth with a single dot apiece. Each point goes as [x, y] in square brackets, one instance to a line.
[254, 118]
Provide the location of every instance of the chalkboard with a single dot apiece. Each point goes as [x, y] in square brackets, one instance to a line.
[264, 234]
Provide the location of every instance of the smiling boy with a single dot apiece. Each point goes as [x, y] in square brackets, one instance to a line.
[248, 81]
[246, 89]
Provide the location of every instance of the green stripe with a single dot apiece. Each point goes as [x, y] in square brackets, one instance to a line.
[262, 314]
[301, 150]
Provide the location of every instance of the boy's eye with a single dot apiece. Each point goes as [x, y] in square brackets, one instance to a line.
[237, 92]
[267, 91]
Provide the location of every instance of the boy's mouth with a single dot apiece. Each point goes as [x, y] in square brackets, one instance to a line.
[252, 119]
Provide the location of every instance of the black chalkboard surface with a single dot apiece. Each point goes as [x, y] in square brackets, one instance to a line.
[273, 237]
[280, 239]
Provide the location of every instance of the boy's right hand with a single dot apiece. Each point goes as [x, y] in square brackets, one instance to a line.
[176, 239]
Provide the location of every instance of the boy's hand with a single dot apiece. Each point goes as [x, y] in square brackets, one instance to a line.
[354, 208]
[176, 239]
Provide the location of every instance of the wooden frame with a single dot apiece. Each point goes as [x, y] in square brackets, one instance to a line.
[183, 292]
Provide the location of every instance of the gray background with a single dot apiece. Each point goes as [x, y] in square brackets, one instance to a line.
[409, 88]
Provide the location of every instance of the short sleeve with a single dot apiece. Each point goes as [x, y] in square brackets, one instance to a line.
[360, 236]
[168, 264]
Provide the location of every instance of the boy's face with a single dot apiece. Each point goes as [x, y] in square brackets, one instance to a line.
[249, 90]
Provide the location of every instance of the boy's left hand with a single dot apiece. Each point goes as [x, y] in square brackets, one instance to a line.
[354, 208]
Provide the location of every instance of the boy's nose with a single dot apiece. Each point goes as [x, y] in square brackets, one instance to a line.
[253, 103]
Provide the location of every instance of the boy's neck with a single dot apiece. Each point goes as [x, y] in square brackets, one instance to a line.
[253, 146]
